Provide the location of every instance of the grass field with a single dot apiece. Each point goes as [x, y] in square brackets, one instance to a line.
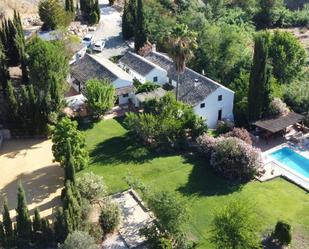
[115, 156]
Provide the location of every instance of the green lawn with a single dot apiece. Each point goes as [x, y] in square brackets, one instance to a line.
[115, 156]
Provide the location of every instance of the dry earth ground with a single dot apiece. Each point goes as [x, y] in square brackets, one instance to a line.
[30, 161]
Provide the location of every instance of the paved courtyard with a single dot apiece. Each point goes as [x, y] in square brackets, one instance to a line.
[134, 217]
[30, 161]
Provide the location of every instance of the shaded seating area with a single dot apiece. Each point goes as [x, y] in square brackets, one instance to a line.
[289, 126]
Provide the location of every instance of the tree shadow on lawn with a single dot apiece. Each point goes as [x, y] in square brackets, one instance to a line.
[204, 182]
[123, 149]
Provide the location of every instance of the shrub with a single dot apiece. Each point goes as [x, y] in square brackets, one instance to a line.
[147, 87]
[240, 133]
[206, 144]
[223, 127]
[235, 160]
[235, 226]
[277, 108]
[109, 217]
[93, 18]
[91, 187]
[283, 233]
[79, 240]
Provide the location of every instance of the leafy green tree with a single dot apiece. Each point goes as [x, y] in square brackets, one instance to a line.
[235, 227]
[8, 233]
[267, 14]
[79, 240]
[288, 57]
[23, 221]
[182, 43]
[100, 96]
[48, 70]
[66, 131]
[140, 32]
[4, 72]
[259, 87]
[223, 51]
[52, 14]
[147, 87]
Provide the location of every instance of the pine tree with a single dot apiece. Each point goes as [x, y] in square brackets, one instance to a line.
[259, 87]
[4, 72]
[7, 225]
[140, 31]
[23, 221]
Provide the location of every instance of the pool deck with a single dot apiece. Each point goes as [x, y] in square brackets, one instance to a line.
[274, 169]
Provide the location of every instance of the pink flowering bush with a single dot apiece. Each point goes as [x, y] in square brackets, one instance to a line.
[206, 144]
[235, 160]
[240, 133]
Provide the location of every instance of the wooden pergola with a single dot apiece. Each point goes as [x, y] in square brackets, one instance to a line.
[275, 125]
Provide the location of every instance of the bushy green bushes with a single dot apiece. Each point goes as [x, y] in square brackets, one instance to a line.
[93, 18]
[165, 123]
[240, 133]
[109, 217]
[91, 187]
[79, 240]
[283, 233]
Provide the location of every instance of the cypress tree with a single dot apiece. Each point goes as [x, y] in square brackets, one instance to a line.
[69, 168]
[96, 9]
[4, 72]
[259, 86]
[7, 225]
[140, 31]
[67, 5]
[36, 222]
[127, 31]
[47, 233]
[12, 105]
[60, 227]
[23, 221]
[2, 235]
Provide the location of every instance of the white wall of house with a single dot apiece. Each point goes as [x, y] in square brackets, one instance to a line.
[212, 106]
[161, 75]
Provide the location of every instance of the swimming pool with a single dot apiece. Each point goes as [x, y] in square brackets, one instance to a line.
[293, 160]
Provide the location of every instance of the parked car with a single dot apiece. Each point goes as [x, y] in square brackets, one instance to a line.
[99, 45]
[88, 40]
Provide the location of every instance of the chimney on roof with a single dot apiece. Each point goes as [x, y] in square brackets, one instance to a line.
[196, 82]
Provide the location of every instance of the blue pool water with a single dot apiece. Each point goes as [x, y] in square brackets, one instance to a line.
[293, 160]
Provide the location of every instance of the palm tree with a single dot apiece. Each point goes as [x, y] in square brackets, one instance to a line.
[182, 43]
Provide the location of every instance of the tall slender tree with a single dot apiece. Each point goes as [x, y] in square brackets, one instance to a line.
[23, 221]
[140, 34]
[182, 43]
[4, 72]
[259, 86]
[7, 226]
[69, 168]
[128, 19]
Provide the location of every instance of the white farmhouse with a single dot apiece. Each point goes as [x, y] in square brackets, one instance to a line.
[97, 67]
[141, 69]
[209, 99]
